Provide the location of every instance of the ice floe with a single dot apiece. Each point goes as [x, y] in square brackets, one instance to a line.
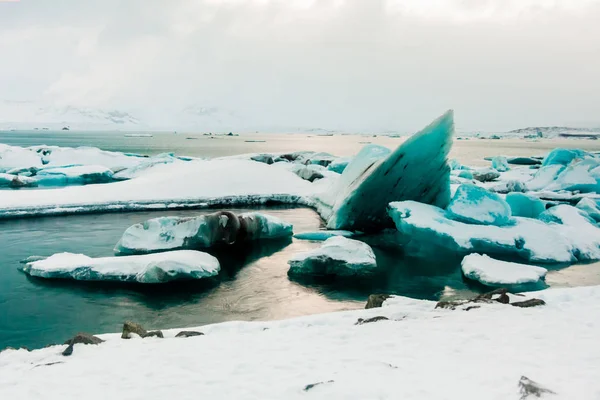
[337, 256]
[152, 268]
[491, 272]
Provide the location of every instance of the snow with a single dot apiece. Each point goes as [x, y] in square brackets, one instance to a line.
[416, 170]
[322, 235]
[170, 233]
[153, 268]
[493, 272]
[475, 205]
[426, 229]
[421, 353]
[196, 183]
[337, 256]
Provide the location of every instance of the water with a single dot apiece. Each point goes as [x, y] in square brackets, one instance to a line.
[253, 284]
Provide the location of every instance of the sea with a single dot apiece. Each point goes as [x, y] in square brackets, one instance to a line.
[253, 285]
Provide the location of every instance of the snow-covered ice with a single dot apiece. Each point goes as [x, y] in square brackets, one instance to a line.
[420, 353]
[591, 207]
[16, 181]
[170, 233]
[322, 235]
[337, 256]
[491, 272]
[151, 268]
[71, 174]
[475, 205]
[500, 164]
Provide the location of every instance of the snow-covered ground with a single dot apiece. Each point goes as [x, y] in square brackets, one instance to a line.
[420, 353]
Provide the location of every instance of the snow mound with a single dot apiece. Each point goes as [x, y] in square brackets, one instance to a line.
[170, 233]
[337, 256]
[493, 272]
[416, 170]
[568, 237]
[475, 205]
[154, 268]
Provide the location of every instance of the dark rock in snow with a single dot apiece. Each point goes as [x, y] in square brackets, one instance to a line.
[263, 158]
[312, 385]
[527, 388]
[84, 338]
[376, 300]
[529, 303]
[369, 320]
[158, 334]
[68, 351]
[131, 327]
[186, 334]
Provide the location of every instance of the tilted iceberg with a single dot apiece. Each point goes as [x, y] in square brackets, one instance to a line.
[337, 256]
[493, 272]
[170, 233]
[425, 229]
[476, 205]
[416, 170]
[152, 268]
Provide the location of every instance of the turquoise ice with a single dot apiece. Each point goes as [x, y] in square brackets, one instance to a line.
[524, 205]
[500, 164]
[475, 205]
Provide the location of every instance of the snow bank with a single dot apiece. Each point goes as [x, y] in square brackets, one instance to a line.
[154, 268]
[493, 272]
[421, 353]
[338, 256]
[196, 183]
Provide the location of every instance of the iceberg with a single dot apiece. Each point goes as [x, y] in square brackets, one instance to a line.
[491, 272]
[544, 177]
[509, 186]
[416, 170]
[579, 177]
[205, 231]
[475, 205]
[322, 235]
[339, 165]
[337, 256]
[153, 268]
[525, 205]
[524, 161]
[500, 164]
[145, 164]
[16, 181]
[73, 174]
[591, 207]
[424, 230]
[563, 156]
[465, 174]
[311, 172]
[485, 174]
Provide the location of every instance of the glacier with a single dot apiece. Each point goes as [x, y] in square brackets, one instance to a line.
[149, 269]
[416, 170]
[337, 256]
[492, 272]
[568, 236]
[475, 205]
[205, 231]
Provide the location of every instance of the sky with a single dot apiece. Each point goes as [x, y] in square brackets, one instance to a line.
[351, 65]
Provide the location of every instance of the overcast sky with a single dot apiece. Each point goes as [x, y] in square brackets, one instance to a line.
[335, 64]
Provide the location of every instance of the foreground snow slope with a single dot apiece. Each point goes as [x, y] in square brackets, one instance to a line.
[422, 353]
[167, 185]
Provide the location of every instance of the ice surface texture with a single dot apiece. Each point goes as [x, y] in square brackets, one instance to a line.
[153, 268]
[337, 256]
[416, 170]
[567, 237]
[493, 272]
[170, 233]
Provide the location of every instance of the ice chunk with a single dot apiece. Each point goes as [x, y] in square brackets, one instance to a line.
[524, 205]
[425, 229]
[322, 235]
[416, 170]
[493, 272]
[170, 233]
[455, 165]
[145, 164]
[322, 159]
[577, 177]
[524, 161]
[500, 164]
[16, 181]
[544, 177]
[465, 174]
[337, 256]
[509, 187]
[311, 173]
[75, 174]
[475, 205]
[591, 207]
[485, 174]
[563, 156]
[339, 165]
[152, 268]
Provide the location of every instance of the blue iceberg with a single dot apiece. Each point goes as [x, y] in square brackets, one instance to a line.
[73, 174]
[563, 156]
[475, 205]
[524, 205]
[339, 165]
[500, 164]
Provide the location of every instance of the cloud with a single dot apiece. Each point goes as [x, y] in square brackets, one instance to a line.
[335, 64]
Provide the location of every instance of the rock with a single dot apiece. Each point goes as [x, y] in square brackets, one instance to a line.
[312, 385]
[131, 327]
[309, 174]
[68, 351]
[527, 388]
[263, 158]
[485, 175]
[417, 170]
[84, 338]
[157, 334]
[185, 334]
[524, 161]
[376, 300]
[369, 320]
[529, 303]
